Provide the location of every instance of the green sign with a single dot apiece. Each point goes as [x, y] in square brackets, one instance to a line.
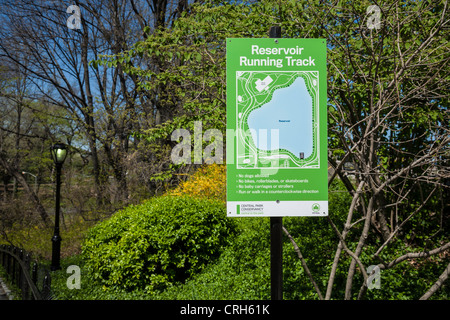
[277, 127]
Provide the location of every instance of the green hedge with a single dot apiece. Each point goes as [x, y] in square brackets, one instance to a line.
[156, 244]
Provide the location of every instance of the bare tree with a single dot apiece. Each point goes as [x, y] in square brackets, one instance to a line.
[102, 99]
[389, 114]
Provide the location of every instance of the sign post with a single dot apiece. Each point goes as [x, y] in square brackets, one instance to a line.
[276, 133]
[276, 232]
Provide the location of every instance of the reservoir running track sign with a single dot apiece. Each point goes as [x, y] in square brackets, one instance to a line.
[276, 127]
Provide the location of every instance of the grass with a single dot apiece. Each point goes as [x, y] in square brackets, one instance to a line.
[34, 237]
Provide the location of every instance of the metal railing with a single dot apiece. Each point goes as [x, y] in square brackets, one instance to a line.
[24, 274]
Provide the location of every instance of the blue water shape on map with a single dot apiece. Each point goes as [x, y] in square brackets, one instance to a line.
[289, 111]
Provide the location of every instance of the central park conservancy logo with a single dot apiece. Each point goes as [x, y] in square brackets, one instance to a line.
[315, 208]
[257, 208]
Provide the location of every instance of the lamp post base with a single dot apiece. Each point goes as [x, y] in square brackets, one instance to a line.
[56, 253]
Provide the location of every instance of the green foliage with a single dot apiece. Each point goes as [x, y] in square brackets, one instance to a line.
[243, 269]
[156, 244]
[138, 249]
[90, 288]
[408, 280]
[241, 272]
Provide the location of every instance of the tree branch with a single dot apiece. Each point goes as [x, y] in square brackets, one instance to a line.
[435, 287]
[346, 249]
[414, 255]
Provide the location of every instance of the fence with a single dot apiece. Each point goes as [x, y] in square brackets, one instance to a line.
[24, 274]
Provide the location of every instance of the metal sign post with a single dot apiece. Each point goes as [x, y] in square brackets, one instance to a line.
[276, 233]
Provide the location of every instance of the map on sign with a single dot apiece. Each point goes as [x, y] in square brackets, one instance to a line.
[277, 119]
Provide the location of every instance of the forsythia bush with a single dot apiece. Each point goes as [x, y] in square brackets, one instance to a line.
[207, 182]
[158, 243]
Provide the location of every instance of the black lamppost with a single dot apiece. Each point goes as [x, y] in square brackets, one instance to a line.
[59, 153]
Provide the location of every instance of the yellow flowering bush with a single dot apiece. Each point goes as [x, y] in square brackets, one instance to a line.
[207, 182]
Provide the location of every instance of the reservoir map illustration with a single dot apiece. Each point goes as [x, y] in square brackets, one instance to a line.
[277, 115]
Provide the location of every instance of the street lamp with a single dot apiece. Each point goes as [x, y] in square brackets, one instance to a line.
[59, 153]
[35, 180]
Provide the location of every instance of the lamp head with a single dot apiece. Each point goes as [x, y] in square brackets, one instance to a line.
[59, 153]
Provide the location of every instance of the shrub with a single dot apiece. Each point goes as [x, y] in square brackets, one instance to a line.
[209, 181]
[241, 272]
[158, 243]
